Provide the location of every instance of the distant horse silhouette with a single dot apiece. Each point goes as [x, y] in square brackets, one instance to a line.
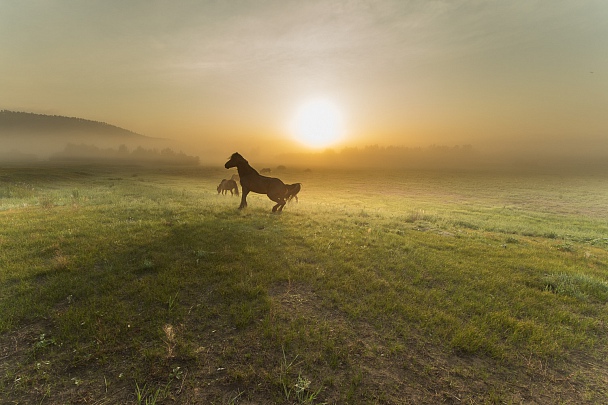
[292, 191]
[251, 180]
[228, 185]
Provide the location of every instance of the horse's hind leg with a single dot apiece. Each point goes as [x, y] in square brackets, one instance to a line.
[278, 207]
[280, 203]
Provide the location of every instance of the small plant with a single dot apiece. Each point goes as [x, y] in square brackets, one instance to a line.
[285, 366]
[301, 389]
[60, 261]
[5, 192]
[172, 302]
[46, 202]
[177, 373]
[43, 341]
[233, 400]
[144, 396]
[511, 239]
[169, 339]
[417, 215]
[566, 247]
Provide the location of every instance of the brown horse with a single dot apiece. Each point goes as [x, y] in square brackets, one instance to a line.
[292, 191]
[251, 180]
[228, 185]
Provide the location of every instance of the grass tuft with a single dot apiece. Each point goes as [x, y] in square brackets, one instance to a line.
[580, 286]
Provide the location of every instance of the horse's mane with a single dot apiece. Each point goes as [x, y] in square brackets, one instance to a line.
[245, 164]
[237, 155]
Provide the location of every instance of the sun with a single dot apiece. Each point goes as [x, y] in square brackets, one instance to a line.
[318, 124]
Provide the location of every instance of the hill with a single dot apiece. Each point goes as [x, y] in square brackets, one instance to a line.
[13, 122]
[29, 134]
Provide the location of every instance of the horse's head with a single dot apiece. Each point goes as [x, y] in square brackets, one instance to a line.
[235, 160]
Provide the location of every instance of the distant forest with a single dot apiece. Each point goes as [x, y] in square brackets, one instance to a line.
[391, 157]
[23, 122]
[91, 153]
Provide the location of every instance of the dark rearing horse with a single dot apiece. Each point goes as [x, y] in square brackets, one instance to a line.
[251, 180]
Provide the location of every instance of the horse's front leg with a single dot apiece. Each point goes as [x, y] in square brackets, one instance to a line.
[244, 198]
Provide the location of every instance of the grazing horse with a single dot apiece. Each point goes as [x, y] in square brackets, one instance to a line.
[251, 180]
[292, 191]
[228, 185]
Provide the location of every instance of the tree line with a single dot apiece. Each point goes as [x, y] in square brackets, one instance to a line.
[434, 156]
[74, 152]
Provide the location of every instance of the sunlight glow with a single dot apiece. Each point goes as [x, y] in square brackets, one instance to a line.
[318, 124]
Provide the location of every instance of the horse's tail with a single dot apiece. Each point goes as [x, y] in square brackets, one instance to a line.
[236, 189]
[292, 191]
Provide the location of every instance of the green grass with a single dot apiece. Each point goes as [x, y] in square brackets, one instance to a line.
[143, 285]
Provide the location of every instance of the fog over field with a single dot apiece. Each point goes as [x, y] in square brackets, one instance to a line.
[28, 137]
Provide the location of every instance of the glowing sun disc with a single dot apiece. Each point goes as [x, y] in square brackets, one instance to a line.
[318, 124]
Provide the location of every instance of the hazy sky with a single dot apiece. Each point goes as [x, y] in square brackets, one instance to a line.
[232, 74]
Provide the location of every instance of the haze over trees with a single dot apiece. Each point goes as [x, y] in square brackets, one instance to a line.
[375, 156]
[92, 153]
[30, 137]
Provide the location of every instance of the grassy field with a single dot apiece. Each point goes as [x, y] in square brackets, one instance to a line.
[134, 285]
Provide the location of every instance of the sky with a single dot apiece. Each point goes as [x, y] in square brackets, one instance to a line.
[219, 76]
